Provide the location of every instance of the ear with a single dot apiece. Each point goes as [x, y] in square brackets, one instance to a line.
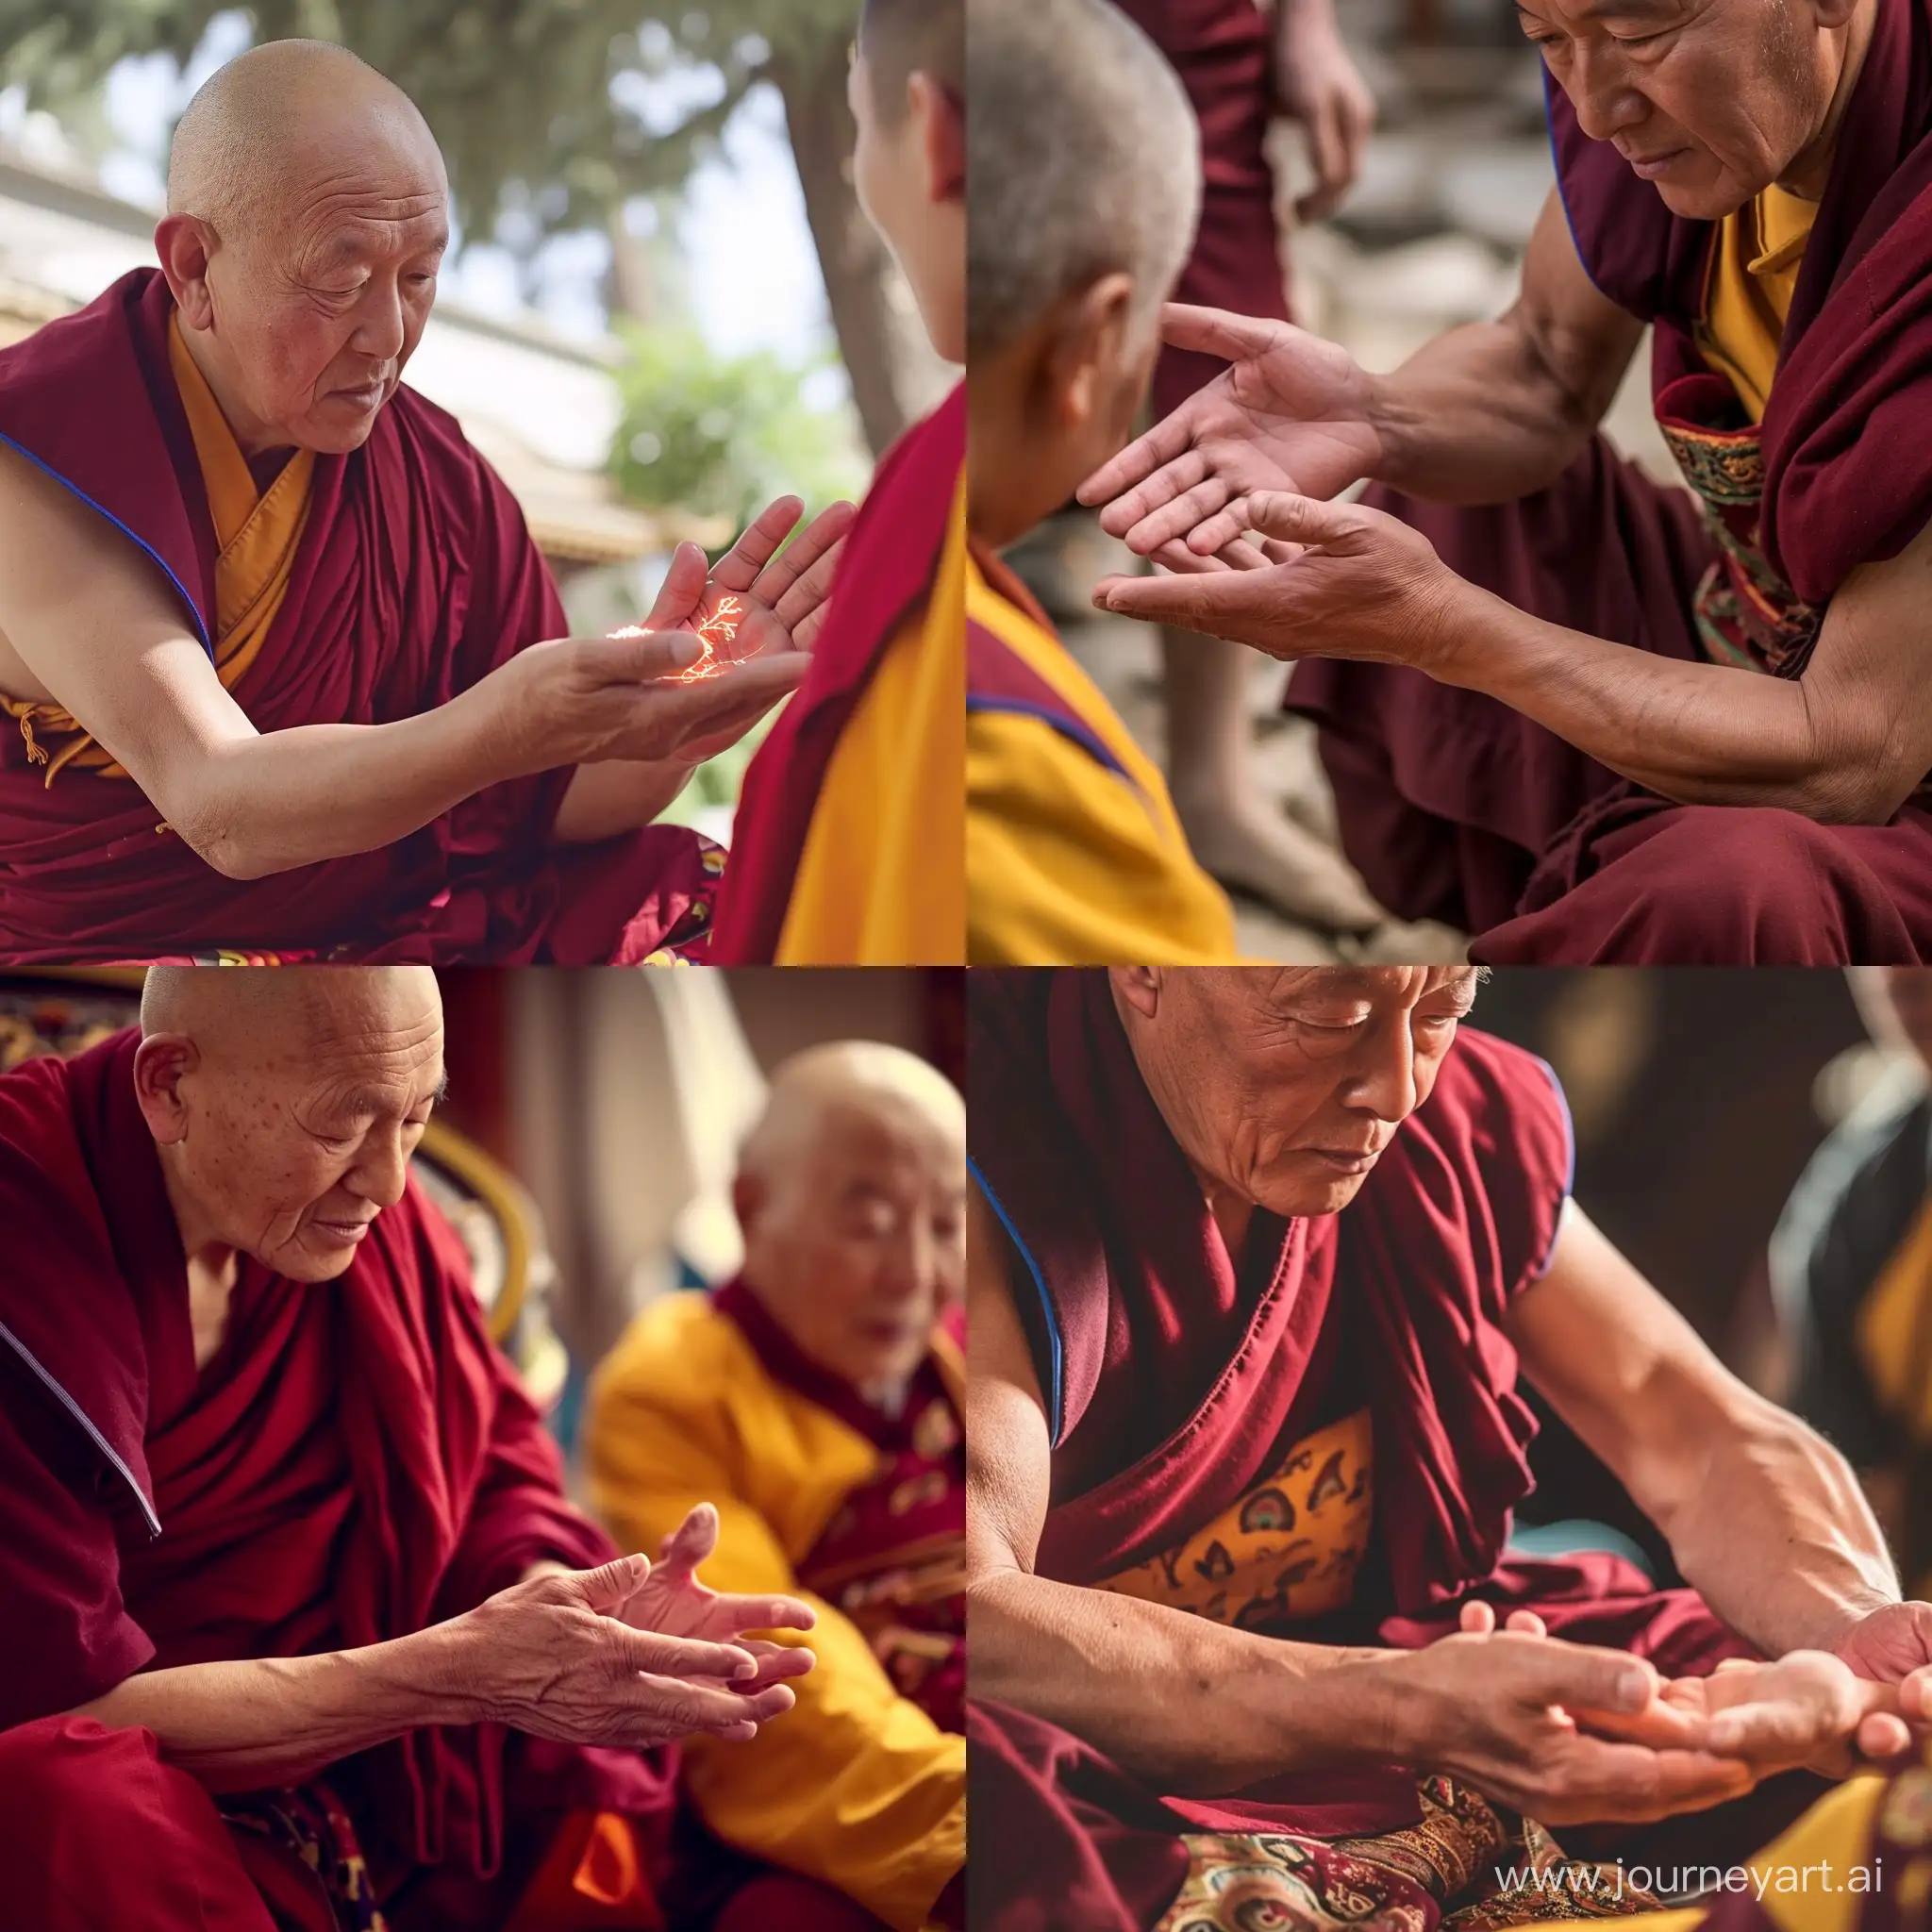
[161, 1063]
[1089, 344]
[1139, 987]
[942, 140]
[748, 1196]
[186, 244]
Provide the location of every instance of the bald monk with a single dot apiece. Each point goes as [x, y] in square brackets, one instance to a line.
[847, 842]
[1255, 1261]
[1073, 852]
[266, 618]
[1583, 717]
[299, 1625]
[816, 1401]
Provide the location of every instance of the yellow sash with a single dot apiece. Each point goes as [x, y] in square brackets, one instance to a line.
[1754, 273]
[258, 532]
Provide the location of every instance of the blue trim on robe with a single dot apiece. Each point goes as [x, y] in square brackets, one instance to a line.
[1569, 1177]
[1055, 1393]
[1070, 728]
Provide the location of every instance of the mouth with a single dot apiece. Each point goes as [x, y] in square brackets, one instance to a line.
[369, 396]
[1343, 1160]
[341, 1233]
[1650, 168]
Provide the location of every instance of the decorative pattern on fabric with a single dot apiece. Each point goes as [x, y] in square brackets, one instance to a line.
[313, 1825]
[1440, 1875]
[1746, 614]
[1287, 1551]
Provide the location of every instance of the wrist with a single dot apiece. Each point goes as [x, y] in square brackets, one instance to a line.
[1359, 1710]
[433, 1676]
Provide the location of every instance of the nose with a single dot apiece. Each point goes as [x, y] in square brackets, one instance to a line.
[912, 1260]
[1384, 1081]
[382, 1169]
[381, 325]
[1600, 91]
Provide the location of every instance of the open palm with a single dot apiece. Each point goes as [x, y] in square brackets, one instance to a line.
[1290, 413]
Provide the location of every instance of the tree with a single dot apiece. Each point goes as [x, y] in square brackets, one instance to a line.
[540, 108]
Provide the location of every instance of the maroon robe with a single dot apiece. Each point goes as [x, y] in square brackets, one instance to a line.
[414, 579]
[1174, 1378]
[1224, 52]
[891, 554]
[1455, 808]
[356, 1463]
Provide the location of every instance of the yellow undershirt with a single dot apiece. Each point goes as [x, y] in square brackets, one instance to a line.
[1068, 863]
[258, 533]
[881, 880]
[1754, 271]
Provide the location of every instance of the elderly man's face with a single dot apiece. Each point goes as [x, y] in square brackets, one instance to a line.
[1284, 1085]
[290, 1146]
[856, 1238]
[321, 309]
[1710, 100]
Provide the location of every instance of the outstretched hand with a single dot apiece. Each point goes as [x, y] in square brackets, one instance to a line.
[1290, 413]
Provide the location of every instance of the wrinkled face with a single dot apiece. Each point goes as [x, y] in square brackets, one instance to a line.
[291, 1147]
[907, 172]
[1283, 1085]
[317, 313]
[856, 1238]
[1711, 100]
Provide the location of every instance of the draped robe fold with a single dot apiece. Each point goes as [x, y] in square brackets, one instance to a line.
[414, 577]
[1177, 1380]
[1455, 808]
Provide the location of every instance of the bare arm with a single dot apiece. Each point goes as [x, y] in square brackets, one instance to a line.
[1494, 410]
[1209, 1708]
[1763, 1515]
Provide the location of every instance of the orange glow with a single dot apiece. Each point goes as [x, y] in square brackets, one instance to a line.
[715, 633]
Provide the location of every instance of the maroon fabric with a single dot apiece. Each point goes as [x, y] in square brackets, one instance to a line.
[356, 1463]
[1222, 51]
[891, 555]
[1455, 808]
[1179, 1369]
[415, 577]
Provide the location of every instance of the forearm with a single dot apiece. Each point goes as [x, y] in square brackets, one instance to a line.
[1776, 1534]
[1479, 416]
[267, 803]
[276, 1721]
[1205, 1709]
[606, 800]
[1699, 734]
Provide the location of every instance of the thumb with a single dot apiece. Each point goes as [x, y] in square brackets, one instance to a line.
[611, 1585]
[1300, 519]
[684, 584]
[1583, 1678]
[1219, 332]
[690, 1543]
[635, 654]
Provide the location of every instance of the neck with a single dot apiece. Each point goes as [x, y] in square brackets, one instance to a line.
[212, 1263]
[1010, 485]
[255, 437]
[1231, 1213]
[1810, 171]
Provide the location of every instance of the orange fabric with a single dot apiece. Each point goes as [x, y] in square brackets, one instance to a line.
[593, 1879]
[258, 533]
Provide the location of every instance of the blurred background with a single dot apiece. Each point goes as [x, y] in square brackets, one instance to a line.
[1759, 1143]
[587, 1146]
[1431, 235]
[662, 306]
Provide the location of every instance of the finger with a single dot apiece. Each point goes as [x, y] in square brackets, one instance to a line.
[763, 1613]
[1782, 1731]
[1882, 1736]
[1188, 601]
[1221, 332]
[638, 655]
[1177, 557]
[656, 1655]
[1230, 525]
[1527, 1623]
[1140, 459]
[1915, 1693]
[1477, 1620]
[696, 1537]
[1583, 1676]
[1179, 519]
[779, 1662]
[1328, 150]
[1597, 1780]
[1167, 483]
[817, 540]
[1299, 519]
[738, 569]
[610, 1586]
[701, 1707]
[808, 591]
[684, 584]
[804, 633]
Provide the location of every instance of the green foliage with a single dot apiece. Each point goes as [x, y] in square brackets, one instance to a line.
[722, 436]
[535, 103]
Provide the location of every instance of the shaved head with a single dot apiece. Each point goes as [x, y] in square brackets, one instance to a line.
[851, 1190]
[285, 1102]
[308, 213]
[1083, 160]
[901, 38]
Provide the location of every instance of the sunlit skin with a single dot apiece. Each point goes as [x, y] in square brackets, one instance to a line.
[1710, 100]
[852, 1197]
[1284, 1088]
[908, 169]
[303, 325]
[286, 1120]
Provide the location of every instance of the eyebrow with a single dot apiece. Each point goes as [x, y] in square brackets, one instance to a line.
[1612, 9]
[366, 1101]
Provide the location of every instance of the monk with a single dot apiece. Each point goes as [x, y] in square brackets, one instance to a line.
[1580, 716]
[300, 1629]
[1074, 851]
[267, 620]
[816, 1401]
[1255, 1258]
[848, 835]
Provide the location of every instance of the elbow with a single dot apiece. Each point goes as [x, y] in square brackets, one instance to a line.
[1861, 763]
[219, 845]
[1856, 790]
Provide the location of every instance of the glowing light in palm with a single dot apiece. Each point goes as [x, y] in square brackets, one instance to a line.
[715, 633]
